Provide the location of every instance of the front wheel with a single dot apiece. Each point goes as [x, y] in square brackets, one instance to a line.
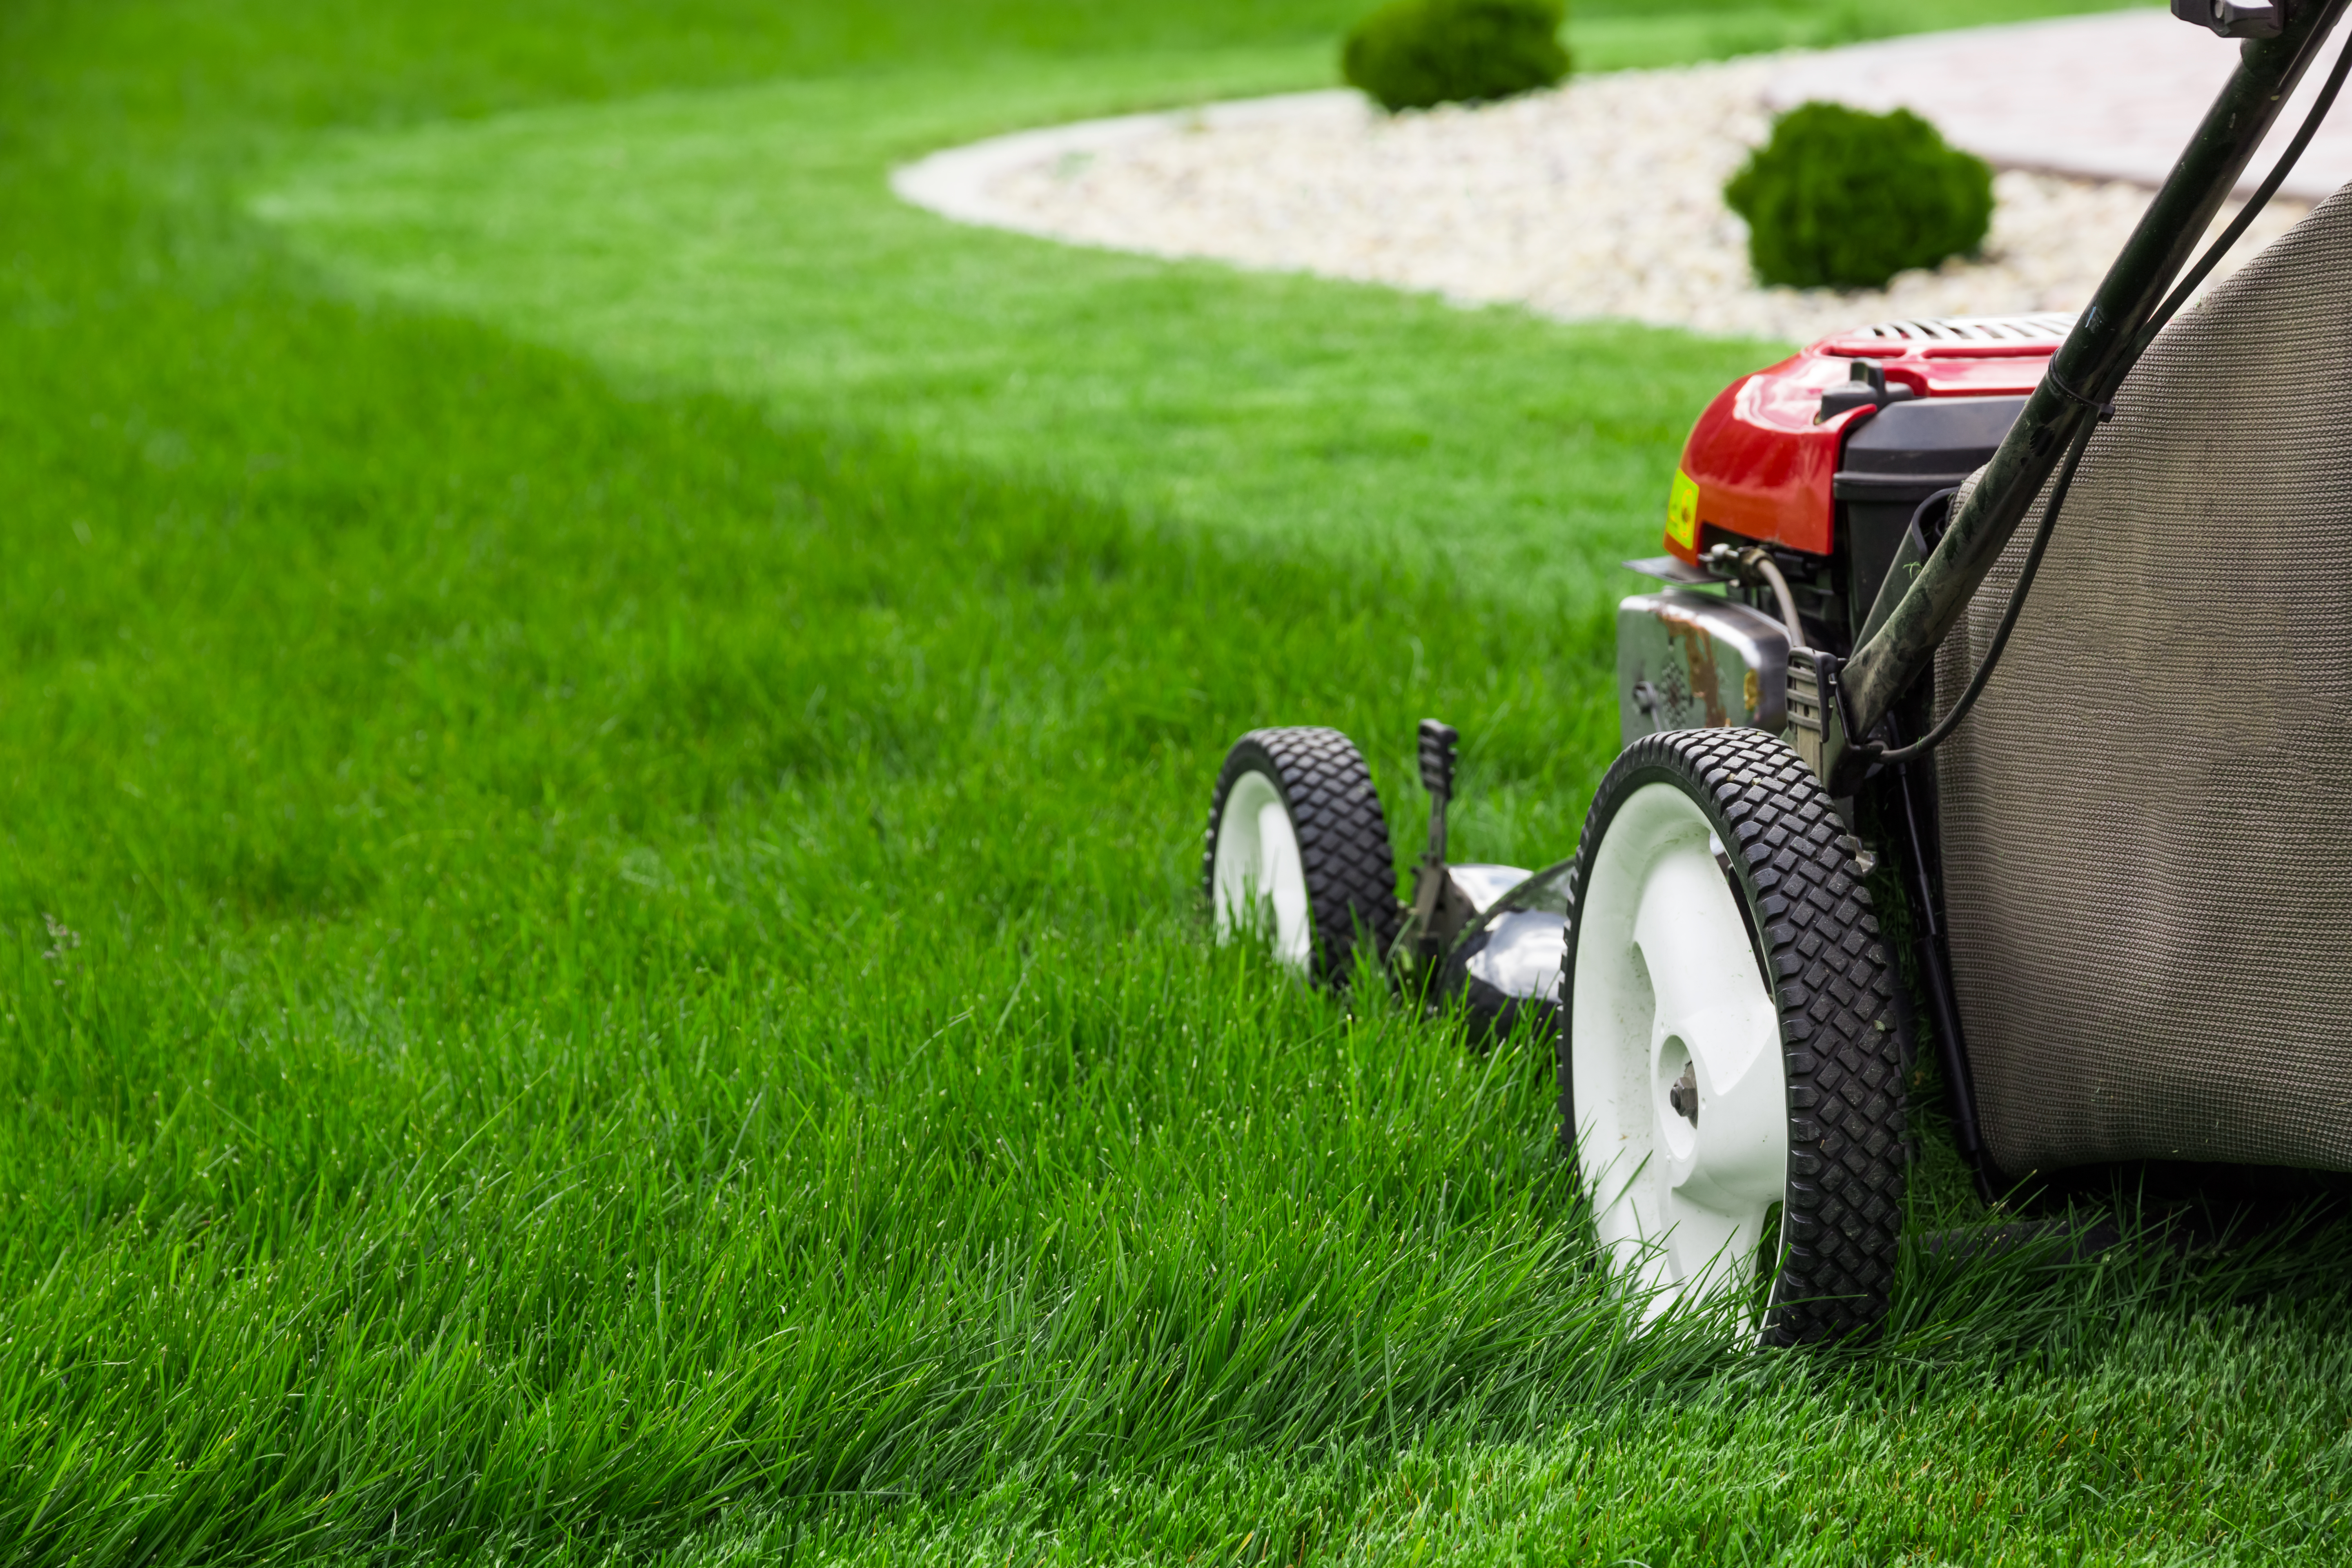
[1298, 851]
[1730, 1047]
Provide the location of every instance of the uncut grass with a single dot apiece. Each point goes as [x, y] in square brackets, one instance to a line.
[1788, 1471]
[553, 1087]
[512, 1044]
[539, 1129]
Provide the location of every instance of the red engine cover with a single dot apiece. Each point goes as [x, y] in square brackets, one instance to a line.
[1759, 466]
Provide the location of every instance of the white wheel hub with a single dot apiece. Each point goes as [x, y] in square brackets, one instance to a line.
[1260, 882]
[1675, 1065]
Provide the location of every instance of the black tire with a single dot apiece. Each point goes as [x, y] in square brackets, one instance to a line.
[1791, 869]
[1342, 835]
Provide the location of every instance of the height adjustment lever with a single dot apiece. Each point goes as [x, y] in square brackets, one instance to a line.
[1437, 745]
[1439, 910]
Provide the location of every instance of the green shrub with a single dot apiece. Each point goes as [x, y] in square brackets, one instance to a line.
[1414, 52]
[1845, 199]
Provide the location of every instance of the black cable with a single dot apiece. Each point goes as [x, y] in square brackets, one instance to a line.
[2156, 324]
[1951, 721]
[1919, 514]
[2254, 204]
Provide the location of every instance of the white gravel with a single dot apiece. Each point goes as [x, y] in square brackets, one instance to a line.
[1601, 199]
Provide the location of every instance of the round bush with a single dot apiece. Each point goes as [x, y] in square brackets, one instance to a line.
[1415, 53]
[1843, 199]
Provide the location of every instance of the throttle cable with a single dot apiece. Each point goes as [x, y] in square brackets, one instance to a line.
[1878, 751]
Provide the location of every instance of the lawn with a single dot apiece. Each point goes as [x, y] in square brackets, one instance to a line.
[602, 736]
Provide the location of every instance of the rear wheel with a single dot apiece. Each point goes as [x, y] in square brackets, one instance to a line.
[1731, 1045]
[1298, 851]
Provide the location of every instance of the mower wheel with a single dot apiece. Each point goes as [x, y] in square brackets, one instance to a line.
[1298, 851]
[1731, 1045]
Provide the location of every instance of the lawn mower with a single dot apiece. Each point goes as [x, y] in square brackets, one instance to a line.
[2125, 866]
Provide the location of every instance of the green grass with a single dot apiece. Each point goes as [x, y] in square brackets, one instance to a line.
[599, 956]
[745, 239]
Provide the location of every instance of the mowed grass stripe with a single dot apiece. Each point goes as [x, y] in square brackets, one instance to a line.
[528, 1050]
[748, 240]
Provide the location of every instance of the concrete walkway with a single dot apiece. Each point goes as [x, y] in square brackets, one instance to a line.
[2111, 97]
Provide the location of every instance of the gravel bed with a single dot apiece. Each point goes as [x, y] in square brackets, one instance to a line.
[1599, 199]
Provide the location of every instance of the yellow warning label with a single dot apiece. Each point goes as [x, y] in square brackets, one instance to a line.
[1682, 511]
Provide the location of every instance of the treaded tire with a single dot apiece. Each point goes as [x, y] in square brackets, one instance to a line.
[1343, 838]
[1831, 986]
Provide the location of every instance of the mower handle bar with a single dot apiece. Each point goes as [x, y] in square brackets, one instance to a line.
[2086, 370]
